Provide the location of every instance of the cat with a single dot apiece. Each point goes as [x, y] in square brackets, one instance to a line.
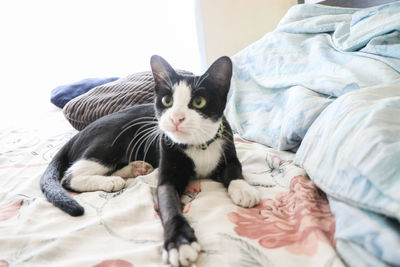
[184, 133]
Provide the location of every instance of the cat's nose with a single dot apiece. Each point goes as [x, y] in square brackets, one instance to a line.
[177, 119]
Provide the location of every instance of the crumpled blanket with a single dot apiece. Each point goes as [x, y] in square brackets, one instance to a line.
[282, 82]
[327, 82]
[352, 151]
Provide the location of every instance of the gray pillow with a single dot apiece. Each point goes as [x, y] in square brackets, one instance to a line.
[108, 98]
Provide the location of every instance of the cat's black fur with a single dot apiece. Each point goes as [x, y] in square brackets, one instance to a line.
[103, 142]
[95, 142]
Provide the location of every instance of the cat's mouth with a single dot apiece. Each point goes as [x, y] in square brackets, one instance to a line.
[179, 132]
[183, 136]
[178, 136]
[189, 134]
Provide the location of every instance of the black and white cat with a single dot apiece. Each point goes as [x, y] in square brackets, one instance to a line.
[184, 134]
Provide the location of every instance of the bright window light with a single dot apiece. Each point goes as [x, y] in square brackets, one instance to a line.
[46, 43]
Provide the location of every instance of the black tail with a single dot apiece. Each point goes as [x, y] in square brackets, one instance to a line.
[52, 189]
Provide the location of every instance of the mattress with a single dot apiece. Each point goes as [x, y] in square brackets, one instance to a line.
[292, 226]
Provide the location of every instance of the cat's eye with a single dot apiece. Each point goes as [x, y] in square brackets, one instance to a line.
[199, 102]
[167, 101]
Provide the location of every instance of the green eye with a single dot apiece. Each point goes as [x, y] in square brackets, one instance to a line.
[199, 102]
[167, 101]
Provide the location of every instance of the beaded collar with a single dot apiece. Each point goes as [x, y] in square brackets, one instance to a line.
[218, 135]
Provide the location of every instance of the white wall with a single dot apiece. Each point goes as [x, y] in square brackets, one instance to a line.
[46, 43]
[231, 25]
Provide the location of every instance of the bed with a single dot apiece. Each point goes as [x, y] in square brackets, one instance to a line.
[315, 106]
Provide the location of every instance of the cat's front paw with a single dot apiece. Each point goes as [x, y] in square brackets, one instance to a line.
[243, 194]
[181, 247]
[183, 255]
[112, 184]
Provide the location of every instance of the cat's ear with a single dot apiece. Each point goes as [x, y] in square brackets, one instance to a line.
[162, 71]
[220, 73]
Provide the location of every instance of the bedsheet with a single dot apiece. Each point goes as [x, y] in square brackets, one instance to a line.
[293, 225]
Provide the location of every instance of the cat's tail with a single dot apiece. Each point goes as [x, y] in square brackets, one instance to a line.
[52, 189]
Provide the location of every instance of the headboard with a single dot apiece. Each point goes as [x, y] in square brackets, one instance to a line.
[348, 3]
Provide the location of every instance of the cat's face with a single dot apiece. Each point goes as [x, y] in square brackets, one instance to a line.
[190, 108]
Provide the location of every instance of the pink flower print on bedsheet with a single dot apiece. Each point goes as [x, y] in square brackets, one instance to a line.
[241, 140]
[114, 263]
[9, 211]
[297, 219]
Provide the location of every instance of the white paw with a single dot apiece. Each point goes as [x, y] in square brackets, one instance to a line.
[243, 194]
[185, 255]
[112, 184]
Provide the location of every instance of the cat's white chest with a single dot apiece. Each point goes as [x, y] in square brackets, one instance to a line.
[205, 161]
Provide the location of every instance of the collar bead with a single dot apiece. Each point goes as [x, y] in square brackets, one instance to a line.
[218, 135]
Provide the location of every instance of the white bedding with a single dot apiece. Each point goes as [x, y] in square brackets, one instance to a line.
[293, 226]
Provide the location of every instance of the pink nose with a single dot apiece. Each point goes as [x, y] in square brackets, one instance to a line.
[177, 119]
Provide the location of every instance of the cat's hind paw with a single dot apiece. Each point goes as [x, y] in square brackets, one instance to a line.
[134, 169]
[183, 256]
[140, 168]
[243, 194]
[193, 188]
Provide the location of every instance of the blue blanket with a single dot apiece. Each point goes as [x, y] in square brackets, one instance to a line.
[327, 81]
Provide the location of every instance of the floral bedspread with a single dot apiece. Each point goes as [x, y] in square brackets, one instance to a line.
[292, 226]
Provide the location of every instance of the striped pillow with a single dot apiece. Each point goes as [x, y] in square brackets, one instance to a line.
[105, 99]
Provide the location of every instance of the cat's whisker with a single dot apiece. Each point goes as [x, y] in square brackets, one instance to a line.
[206, 132]
[165, 77]
[134, 138]
[150, 137]
[230, 135]
[143, 122]
[129, 145]
[143, 135]
[143, 141]
[168, 140]
[195, 80]
[140, 134]
[201, 79]
[130, 126]
[142, 119]
[138, 119]
[223, 154]
[170, 82]
[148, 144]
[227, 136]
[156, 136]
[194, 124]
